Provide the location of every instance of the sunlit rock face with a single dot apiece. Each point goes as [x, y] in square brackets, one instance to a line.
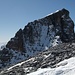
[44, 33]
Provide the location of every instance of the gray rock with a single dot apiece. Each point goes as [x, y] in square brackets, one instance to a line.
[48, 58]
[38, 32]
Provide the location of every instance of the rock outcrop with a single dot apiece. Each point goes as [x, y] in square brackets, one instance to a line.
[38, 36]
[44, 33]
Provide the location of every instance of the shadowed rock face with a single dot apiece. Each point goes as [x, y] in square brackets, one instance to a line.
[41, 33]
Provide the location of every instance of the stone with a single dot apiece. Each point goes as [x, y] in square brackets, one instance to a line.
[40, 33]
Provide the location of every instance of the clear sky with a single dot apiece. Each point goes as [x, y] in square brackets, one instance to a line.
[15, 14]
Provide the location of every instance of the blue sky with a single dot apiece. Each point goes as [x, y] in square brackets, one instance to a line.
[15, 14]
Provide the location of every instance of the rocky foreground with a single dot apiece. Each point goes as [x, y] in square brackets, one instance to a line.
[65, 67]
[45, 59]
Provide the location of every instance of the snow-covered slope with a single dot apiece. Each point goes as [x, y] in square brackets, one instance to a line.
[66, 67]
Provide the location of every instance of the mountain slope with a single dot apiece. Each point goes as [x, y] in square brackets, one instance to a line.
[66, 67]
[46, 59]
[38, 36]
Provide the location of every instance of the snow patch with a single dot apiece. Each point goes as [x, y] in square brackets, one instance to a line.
[56, 41]
[53, 13]
[63, 16]
[49, 14]
[2, 45]
[57, 10]
[19, 64]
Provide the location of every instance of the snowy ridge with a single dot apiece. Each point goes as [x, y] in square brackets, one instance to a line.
[66, 67]
[53, 13]
[54, 61]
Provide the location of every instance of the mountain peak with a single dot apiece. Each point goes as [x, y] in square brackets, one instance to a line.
[40, 35]
[36, 34]
[62, 12]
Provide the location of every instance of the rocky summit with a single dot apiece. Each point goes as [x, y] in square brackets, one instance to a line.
[44, 33]
[37, 36]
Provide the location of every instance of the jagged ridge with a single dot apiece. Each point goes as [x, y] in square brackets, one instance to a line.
[41, 33]
[38, 36]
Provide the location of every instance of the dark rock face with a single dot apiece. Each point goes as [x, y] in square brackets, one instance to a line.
[5, 57]
[16, 42]
[45, 29]
[63, 25]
